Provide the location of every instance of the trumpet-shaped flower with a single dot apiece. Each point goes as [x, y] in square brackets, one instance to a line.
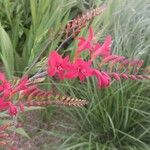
[103, 50]
[79, 69]
[57, 65]
[83, 43]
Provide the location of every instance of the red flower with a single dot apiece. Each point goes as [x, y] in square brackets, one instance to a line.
[5, 86]
[79, 69]
[85, 43]
[57, 65]
[102, 50]
[3, 105]
[12, 109]
[103, 78]
[7, 92]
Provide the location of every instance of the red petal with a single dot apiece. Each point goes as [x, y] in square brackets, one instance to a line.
[81, 77]
[54, 58]
[61, 75]
[81, 41]
[65, 61]
[83, 46]
[51, 71]
[105, 49]
[71, 75]
[3, 105]
[2, 77]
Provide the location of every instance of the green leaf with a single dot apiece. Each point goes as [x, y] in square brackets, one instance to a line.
[22, 132]
[33, 108]
[7, 54]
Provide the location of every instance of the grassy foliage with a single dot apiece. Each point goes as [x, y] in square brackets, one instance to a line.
[7, 54]
[27, 26]
[116, 118]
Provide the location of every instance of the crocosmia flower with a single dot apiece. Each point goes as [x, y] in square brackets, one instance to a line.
[79, 69]
[103, 50]
[57, 65]
[83, 43]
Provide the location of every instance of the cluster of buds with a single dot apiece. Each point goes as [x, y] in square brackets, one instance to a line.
[7, 135]
[37, 97]
[74, 26]
[4, 135]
